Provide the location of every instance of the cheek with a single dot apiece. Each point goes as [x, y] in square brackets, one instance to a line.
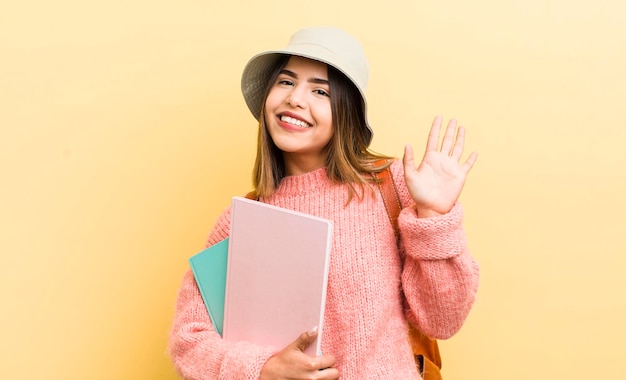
[268, 102]
[274, 97]
[326, 114]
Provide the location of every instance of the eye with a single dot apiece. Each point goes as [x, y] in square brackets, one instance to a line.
[284, 82]
[322, 92]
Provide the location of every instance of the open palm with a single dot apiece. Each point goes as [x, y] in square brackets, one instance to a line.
[436, 183]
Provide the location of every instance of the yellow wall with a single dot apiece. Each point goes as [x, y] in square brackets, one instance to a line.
[123, 134]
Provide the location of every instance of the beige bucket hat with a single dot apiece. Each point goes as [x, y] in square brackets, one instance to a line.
[330, 45]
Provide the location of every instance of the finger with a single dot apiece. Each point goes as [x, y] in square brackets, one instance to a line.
[329, 373]
[305, 339]
[457, 150]
[326, 362]
[469, 163]
[448, 138]
[408, 160]
[433, 136]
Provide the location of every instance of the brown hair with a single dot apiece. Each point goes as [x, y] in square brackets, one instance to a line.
[348, 158]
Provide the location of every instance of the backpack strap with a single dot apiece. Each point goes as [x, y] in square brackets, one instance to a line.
[389, 192]
[425, 349]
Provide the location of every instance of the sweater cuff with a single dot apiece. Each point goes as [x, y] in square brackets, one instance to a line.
[436, 238]
[246, 360]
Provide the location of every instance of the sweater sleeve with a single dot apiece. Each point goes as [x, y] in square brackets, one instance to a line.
[439, 276]
[197, 350]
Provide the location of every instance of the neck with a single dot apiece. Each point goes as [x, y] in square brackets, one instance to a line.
[297, 164]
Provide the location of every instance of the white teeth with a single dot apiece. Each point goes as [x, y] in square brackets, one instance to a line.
[293, 121]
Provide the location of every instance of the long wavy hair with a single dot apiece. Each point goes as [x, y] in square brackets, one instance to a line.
[348, 159]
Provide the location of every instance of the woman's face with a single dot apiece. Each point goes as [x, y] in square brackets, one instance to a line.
[298, 114]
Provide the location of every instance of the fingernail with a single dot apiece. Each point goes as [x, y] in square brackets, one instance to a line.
[313, 331]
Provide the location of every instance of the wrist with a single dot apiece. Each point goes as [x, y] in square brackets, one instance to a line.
[427, 213]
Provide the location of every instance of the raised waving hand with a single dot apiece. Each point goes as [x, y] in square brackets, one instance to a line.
[436, 183]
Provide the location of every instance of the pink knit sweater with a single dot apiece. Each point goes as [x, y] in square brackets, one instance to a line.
[365, 322]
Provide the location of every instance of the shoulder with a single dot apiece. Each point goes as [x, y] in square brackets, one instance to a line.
[396, 168]
[397, 173]
[221, 228]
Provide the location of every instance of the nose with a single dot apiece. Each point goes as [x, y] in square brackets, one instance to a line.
[297, 98]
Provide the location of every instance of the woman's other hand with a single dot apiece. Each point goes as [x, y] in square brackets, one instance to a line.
[293, 364]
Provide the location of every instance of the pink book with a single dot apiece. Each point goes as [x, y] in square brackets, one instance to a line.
[276, 275]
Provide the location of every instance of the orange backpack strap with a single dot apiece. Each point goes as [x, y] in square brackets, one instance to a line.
[391, 199]
[425, 349]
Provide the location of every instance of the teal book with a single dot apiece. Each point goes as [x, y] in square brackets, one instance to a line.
[209, 269]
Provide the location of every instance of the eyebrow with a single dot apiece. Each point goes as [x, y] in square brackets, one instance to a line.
[311, 80]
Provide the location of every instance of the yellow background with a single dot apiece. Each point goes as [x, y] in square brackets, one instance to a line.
[123, 135]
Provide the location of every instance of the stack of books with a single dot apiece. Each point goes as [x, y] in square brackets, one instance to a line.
[266, 283]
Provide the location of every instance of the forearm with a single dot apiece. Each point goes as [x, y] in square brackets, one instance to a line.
[440, 278]
[197, 350]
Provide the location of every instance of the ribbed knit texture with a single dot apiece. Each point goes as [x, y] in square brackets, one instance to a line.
[370, 283]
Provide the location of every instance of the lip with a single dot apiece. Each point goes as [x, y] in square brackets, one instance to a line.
[291, 127]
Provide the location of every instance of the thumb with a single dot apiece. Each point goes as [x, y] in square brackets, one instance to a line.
[408, 160]
[305, 339]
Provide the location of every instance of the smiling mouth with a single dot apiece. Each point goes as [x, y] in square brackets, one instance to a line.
[296, 122]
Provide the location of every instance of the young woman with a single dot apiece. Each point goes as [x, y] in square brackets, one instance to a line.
[313, 157]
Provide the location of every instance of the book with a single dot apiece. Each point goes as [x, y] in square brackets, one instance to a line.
[209, 269]
[277, 274]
